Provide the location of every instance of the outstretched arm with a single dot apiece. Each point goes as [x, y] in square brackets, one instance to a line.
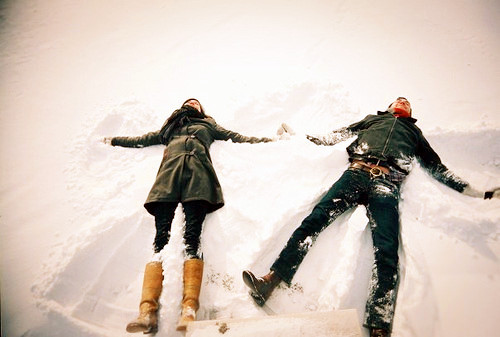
[151, 138]
[472, 192]
[332, 138]
[224, 134]
[432, 163]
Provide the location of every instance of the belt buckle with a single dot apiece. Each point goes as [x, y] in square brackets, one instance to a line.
[376, 172]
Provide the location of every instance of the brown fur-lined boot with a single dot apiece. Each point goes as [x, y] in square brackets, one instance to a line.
[147, 322]
[193, 274]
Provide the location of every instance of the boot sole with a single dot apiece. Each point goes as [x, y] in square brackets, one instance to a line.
[249, 280]
[144, 330]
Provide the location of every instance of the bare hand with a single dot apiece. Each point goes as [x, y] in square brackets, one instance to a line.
[107, 140]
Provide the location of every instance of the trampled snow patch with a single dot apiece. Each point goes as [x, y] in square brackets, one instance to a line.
[75, 237]
[93, 280]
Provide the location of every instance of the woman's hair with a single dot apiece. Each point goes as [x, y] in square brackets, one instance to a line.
[201, 106]
[178, 111]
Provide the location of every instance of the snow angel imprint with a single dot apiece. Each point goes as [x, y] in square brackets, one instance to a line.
[187, 176]
[380, 159]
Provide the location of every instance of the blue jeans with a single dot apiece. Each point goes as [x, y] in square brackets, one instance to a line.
[381, 198]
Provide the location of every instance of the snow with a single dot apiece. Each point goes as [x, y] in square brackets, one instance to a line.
[75, 237]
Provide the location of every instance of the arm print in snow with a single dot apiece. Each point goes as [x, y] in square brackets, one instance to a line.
[431, 162]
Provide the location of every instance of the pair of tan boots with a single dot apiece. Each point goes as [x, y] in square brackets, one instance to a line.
[147, 322]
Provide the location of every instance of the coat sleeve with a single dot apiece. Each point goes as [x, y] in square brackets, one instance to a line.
[431, 162]
[339, 135]
[151, 138]
[223, 134]
[334, 137]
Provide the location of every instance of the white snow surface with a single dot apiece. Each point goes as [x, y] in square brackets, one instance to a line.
[75, 236]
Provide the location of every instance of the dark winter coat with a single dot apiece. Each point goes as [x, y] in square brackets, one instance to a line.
[186, 172]
[396, 142]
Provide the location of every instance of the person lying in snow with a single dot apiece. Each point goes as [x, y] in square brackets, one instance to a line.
[380, 159]
[185, 176]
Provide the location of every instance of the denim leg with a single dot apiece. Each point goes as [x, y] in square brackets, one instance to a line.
[164, 214]
[343, 195]
[382, 210]
[195, 212]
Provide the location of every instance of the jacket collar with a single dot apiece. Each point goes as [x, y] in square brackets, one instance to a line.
[410, 119]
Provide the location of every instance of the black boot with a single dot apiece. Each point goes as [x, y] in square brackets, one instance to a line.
[261, 287]
[375, 332]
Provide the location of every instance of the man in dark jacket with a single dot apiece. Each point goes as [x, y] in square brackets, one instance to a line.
[380, 159]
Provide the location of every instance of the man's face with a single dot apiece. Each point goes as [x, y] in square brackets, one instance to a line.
[194, 103]
[401, 106]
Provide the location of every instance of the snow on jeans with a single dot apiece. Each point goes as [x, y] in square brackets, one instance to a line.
[381, 198]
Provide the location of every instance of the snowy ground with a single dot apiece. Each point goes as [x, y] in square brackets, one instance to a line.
[75, 237]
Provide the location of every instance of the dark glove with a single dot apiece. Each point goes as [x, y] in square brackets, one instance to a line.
[495, 193]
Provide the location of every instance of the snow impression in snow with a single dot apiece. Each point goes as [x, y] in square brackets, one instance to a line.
[269, 188]
[75, 237]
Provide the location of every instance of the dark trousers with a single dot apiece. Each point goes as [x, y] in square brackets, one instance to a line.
[194, 211]
[381, 198]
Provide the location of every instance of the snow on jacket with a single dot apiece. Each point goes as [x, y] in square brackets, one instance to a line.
[186, 172]
[396, 142]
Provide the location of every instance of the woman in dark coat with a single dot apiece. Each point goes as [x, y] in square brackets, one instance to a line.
[185, 176]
